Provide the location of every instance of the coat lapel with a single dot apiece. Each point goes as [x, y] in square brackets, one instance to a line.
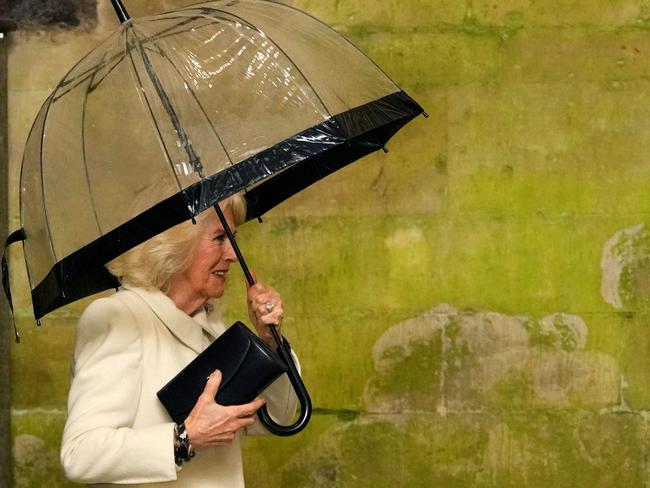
[209, 319]
[189, 330]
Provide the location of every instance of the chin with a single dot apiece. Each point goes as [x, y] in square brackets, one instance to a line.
[212, 294]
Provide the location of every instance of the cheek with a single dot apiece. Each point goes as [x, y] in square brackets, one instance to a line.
[198, 269]
[207, 262]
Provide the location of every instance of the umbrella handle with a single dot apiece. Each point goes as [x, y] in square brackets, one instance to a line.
[283, 350]
[301, 392]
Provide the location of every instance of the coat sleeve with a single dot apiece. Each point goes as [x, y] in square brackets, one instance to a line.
[99, 444]
[281, 402]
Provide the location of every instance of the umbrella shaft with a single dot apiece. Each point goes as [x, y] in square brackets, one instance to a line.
[242, 263]
[233, 242]
[121, 12]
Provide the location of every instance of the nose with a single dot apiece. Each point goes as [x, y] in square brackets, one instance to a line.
[229, 252]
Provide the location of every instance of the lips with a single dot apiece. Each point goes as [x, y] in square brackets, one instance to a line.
[221, 273]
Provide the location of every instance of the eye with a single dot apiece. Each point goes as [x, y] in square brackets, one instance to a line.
[221, 236]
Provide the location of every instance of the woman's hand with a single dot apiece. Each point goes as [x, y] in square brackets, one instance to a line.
[210, 423]
[264, 309]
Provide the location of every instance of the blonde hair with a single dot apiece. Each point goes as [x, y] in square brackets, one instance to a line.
[153, 263]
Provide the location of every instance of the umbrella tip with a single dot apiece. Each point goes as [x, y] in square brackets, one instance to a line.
[426, 115]
[121, 12]
[385, 149]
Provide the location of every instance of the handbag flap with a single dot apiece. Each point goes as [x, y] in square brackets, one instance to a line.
[234, 354]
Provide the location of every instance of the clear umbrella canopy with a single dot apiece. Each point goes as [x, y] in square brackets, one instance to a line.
[175, 112]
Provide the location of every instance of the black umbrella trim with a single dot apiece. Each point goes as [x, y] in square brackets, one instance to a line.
[296, 162]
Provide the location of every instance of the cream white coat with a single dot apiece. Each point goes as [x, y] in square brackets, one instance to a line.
[127, 347]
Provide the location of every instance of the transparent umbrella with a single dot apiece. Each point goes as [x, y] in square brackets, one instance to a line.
[178, 111]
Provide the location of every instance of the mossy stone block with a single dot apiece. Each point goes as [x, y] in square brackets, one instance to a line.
[485, 450]
[579, 53]
[42, 358]
[36, 437]
[440, 58]
[385, 14]
[556, 12]
[504, 157]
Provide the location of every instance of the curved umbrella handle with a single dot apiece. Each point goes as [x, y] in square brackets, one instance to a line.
[301, 392]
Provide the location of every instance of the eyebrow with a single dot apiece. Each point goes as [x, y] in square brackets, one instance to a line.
[223, 231]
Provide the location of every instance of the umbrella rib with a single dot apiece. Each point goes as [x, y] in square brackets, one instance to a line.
[153, 118]
[193, 158]
[214, 129]
[47, 217]
[81, 77]
[169, 31]
[93, 86]
[244, 21]
[89, 89]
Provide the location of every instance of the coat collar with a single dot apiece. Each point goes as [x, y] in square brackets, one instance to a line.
[188, 329]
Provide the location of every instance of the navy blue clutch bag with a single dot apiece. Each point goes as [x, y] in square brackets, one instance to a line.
[247, 364]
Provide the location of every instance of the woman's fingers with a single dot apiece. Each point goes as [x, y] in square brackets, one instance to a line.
[210, 423]
[272, 318]
[249, 409]
[265, 307]
[263, 298]
[237, 417]
[211, 387]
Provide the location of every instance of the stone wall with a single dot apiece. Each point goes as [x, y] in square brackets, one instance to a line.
[5, 341]
[472, 308]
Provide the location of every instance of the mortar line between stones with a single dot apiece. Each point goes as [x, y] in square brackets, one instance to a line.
[47, 411]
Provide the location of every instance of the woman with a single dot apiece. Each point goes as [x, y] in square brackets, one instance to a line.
[130, 344]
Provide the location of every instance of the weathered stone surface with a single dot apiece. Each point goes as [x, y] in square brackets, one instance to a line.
[39, 60]
[267, 461]
[34, 459]
[503, 158]
[558, 12]
[445, 58]
[504, 263]
[37, 436]
[625, 267]
[43, 358]
[483, 450]
[387, 14]
[635, 360]
[446, 361]
[60, 13]
[569, 55]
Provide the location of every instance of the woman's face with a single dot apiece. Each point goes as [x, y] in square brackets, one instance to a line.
[205, 278]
